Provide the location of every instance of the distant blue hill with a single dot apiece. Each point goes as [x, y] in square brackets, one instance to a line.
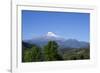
[63, 43]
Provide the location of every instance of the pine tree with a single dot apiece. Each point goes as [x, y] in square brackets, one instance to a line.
[36, 53]
[51, 51]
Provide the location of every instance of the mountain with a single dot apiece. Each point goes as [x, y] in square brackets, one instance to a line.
[62, 42]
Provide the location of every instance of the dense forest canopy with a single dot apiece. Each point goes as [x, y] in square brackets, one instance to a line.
[51, 52]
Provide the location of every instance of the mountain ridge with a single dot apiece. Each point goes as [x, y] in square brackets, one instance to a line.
[62, 42]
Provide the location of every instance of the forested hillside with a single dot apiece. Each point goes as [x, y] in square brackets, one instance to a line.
[51, 52]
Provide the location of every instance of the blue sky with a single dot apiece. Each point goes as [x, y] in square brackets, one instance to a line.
[69, 25]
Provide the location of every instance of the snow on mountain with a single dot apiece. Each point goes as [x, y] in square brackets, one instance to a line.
[51, 34]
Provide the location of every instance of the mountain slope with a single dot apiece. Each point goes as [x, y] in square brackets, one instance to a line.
[62, 42]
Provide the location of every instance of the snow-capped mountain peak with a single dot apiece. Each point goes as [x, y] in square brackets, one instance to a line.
[51, 34]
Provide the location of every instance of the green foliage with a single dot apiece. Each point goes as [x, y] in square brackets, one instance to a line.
[31, 54]
[27, 56]
[36, 53]
[77, 54]
[51, 51]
